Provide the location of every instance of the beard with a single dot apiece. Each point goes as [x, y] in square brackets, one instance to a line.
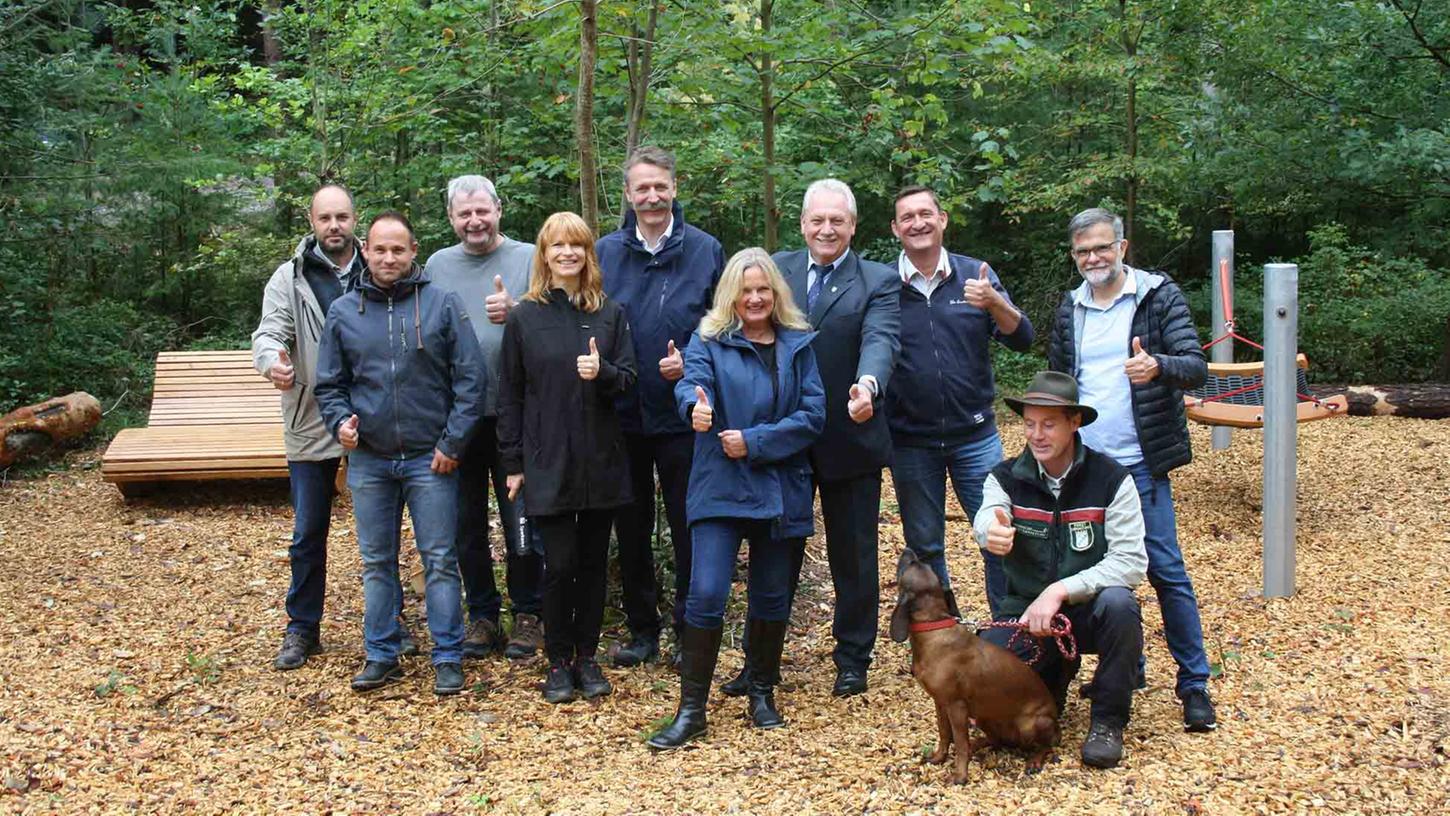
[1104, 276]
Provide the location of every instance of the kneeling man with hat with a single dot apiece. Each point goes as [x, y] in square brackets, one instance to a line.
[1067, 523]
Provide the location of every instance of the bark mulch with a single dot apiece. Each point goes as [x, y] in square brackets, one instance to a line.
[136, 643]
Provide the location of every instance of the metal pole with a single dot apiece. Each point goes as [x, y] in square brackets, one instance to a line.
[1223, 254]
[1281, 341]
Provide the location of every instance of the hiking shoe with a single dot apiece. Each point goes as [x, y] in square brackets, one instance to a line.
[447, 679]
[1198, 714]
[375, 675]
[483, 637]
[559, 683]
[1103, 747]
[590, 679]
[526, 637]
[640, 649]
[407, 646]
[296, 648]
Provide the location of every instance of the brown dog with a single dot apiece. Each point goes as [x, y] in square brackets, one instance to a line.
[970, 679]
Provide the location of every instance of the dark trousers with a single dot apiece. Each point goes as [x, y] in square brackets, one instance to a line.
[312, 487]
[634, 524]
[716, 542]
[851, 508]
[1109, 626]
[525, 573]
[576, 555]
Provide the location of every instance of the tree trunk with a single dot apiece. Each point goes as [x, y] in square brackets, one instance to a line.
[767, 126]
[1130, 48]
[35, 428]
[271, 47]
[584, 114]
[640, 54]
[1417, 400]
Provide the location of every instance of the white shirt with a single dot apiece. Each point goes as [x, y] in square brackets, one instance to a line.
[664, 236]
[924, 284]
[830, 267]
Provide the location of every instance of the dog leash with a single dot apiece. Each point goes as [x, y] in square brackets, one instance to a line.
[1060, 631]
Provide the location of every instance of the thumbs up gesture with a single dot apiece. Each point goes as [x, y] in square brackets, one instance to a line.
[497, 305]
[589, 363]
[1141, 367]
[347, 432]
[859, 405]
[281, 373]
[1000, 533]
[703, 416]
[672, 365]
[979, 291]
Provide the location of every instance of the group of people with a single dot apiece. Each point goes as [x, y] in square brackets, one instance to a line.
[573, 373]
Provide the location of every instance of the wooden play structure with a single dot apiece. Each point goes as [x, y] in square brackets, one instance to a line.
[212, 417]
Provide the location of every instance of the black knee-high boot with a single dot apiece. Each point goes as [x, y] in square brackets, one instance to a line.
[762, 656]
[698, 650]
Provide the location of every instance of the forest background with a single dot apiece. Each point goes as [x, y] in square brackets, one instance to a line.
[156, 157]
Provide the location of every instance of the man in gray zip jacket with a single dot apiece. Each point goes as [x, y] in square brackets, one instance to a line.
[325, 265]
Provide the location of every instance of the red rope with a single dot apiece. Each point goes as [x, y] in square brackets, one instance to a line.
[1060, 631]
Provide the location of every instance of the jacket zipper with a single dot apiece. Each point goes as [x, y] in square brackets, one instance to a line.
[393, 370]
[941, 385]
[297, 409]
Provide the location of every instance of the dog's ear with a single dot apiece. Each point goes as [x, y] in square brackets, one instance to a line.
[901, 620]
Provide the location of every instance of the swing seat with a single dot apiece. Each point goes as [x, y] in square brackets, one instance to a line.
[1233, 396]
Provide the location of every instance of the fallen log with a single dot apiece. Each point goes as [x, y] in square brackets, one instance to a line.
[35, 428]
[1416, 400]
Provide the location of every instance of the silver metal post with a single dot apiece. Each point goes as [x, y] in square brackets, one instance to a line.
[1223, 254]
[1281, 342]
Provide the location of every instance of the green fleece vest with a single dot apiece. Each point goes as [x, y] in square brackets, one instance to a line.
[1056, 536]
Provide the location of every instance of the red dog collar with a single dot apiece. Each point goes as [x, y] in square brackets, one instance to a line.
[931, 626]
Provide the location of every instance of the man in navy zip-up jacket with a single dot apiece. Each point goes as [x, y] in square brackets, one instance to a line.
[663, 272]
[939, 406]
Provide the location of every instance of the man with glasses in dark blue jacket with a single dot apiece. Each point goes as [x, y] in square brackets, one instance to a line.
[663, 271]
[940, 403]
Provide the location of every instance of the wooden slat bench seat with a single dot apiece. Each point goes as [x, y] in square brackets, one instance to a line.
[212, 417]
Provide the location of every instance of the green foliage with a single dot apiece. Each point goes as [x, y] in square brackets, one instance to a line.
[115, 682]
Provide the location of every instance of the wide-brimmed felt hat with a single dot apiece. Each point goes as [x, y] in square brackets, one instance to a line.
[1053, 389]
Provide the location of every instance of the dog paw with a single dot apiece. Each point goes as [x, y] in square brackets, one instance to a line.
[936, 758]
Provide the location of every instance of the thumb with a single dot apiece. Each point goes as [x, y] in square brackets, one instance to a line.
[700, 397]
[284, 358]
[671, 348]
[593, 348]
[1137, 346]
[498, 283]
[856, 391]
[1003, 518]
[351, 421]
[982, 273]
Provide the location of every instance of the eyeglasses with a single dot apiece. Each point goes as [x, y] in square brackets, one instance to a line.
[1083, 253]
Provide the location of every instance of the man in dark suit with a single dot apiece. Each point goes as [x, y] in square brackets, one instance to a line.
[855, 306]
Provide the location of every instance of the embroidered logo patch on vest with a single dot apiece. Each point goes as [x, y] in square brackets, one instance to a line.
[1082, 535]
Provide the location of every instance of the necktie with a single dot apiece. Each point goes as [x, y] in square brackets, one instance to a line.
[815, 288]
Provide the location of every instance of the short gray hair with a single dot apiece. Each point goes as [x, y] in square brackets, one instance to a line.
[468, 185]
[1089, 218]
[649, 154]
[829, 185]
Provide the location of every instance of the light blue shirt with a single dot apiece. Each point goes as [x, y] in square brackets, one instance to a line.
[830, 267]
[1101, 381]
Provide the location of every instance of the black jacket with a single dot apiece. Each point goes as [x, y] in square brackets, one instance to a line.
[1163, 322]
[561, 431]
[858, 321]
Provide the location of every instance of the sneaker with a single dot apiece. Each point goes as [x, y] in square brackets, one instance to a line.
[447, 679]
[375, 675]
[640, 649]
[590, 679]
[483, 637]
[296, 648]
[526, 637]
[1198, 714]
[407, 646]
[559, 683]
[1103, 747]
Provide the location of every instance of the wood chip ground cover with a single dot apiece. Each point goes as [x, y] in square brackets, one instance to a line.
[136, 643]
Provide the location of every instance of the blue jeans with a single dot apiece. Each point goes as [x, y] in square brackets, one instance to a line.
[379, 485]
[311, 486]
[920, 476]
[715, 543]
[1169, 578]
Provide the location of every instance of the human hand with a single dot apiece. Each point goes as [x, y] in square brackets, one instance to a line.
[589, 363]
[1038, 616]
[347, 432]
[859, 406]
[733, 443]
[497, 305]
[442, 462]
[979, 291]
[282, 374]
[515, 482]
[703, 416]
[1141, 367]
[1000, 533]
[672, 365]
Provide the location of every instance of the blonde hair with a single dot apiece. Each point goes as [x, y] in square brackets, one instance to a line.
[568, 228]
[722, 319]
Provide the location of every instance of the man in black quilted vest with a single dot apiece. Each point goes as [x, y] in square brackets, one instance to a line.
[1127, 337]
[1066, 522]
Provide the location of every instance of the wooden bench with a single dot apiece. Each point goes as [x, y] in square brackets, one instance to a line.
[212, 417]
